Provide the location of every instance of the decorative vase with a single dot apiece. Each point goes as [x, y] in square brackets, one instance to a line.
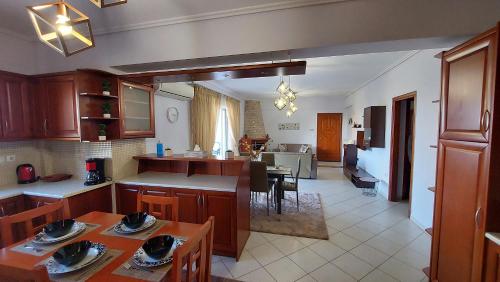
[102, 138]
[106, 93]
[169, 152]
[106, 115]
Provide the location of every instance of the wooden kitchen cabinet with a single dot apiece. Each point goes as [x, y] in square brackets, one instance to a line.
[126, 198]
[219, 205]
[492, 264]
[11, 205]
[467, 198]
[15, 110]
[136, 110]
[95, 200]
[190, 205]
[58, 101]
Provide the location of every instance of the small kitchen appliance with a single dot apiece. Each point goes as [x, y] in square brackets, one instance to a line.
[95, 171]
[26, 174]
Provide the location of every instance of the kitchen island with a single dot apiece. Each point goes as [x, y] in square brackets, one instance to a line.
[205, 187]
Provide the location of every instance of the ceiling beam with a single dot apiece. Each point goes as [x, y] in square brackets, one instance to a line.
[219, 73]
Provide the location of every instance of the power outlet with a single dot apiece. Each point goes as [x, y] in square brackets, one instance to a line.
[11, 158]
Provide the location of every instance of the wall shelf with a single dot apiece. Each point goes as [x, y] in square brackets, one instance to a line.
[96, 95]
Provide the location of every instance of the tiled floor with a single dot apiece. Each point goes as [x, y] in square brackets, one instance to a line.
[371, 239]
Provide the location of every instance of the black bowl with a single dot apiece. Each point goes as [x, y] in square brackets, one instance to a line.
[58, 228]
[158, 247]
[72, 253]
[134, 220]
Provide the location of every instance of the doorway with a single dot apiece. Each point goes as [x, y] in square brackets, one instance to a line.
[402, 145]
[329, 137]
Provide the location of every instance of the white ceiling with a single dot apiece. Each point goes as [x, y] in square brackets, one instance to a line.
[141, 13]
[337, 76]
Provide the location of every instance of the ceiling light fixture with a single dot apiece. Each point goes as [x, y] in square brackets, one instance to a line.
[286, 97]
[107, 3]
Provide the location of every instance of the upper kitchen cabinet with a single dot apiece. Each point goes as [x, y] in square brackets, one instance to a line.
[58, 107]
[15, 100]
[136, 110]
[468, 85]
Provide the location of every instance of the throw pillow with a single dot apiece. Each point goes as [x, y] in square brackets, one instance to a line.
[303, 149]
[282, 147]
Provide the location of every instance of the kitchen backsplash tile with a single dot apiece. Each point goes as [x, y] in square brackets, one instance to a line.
[49, 157]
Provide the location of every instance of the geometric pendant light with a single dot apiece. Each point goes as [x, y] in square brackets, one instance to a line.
[62, 27]
[107, 3]
[285, 98]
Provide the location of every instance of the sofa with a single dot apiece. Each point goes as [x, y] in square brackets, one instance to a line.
[288, 156]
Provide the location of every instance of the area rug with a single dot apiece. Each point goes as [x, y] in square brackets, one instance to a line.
[308, 222]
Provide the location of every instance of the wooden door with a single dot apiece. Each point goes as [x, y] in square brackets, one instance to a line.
[218, 204]
[459, 217]
[15, 107]
[190, 205]
[329, 137]
[61, 110]
[126, 198]
[468, 85]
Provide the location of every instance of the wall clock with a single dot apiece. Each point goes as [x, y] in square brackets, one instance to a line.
[172, 114]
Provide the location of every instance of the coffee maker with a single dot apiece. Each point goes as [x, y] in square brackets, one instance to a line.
[95, 171]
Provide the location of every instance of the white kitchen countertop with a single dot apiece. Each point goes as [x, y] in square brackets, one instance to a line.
[495, 237]
[60, 190]
[180, 180]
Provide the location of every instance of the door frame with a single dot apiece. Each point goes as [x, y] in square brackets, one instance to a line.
[394, 151]
[340, 139]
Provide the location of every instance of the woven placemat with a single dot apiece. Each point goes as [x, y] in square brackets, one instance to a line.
[130, 269]
[39, 250]
[143, 235]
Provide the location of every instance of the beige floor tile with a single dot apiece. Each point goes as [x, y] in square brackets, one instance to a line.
[412, 258]
[259, 275]
[307, 278]
[329, 273]
[401, 271]
[307, 259]
[285, 270]
[327, 250]
[378, 276]
[307, 241]
[220, 270]
[266, 253]
[353, 266]
[256, 239]
[345, 242]
[246, 264]
[369, 254]
[288, 245]
[358, 233]
[382, 244]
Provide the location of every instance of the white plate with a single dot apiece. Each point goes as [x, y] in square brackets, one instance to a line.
[122, 229]
[42, 238]
[96, 251]
[142, 259]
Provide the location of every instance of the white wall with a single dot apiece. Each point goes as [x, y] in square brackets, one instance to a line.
[16, 54]
[420, 73]
[172, 135]
[306, 116]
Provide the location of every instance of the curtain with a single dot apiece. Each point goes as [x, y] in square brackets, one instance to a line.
[233, 116]
[204, 113]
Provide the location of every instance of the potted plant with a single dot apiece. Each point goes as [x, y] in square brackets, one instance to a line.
[169, 152]
[106, 87]
[102, 132]
[229, 154]
[106, 110]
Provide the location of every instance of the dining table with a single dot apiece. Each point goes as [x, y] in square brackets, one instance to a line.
[126, 247]
[279, 173]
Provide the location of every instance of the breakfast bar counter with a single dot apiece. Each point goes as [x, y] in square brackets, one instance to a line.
[205, 187]
[59, 190]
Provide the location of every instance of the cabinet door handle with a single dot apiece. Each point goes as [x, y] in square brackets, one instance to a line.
[6, 125]
[477, 217]
[3, 211]
[202, 200]
[486, 121]
[199, 200]
[38, 204]
[45, 126]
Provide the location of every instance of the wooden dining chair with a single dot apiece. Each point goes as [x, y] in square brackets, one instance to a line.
[196, 255]
[293, 186]
[51, 212]
[15, 274]
[259, 182]
[148, 202]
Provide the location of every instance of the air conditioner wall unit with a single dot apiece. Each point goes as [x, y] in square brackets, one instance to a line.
[179, 91]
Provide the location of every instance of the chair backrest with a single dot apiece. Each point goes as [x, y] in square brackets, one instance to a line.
[196, 253]
[11, 273]
[258, 177]
[268, 158]
[296, 176]
[51, 212]
[147, 203]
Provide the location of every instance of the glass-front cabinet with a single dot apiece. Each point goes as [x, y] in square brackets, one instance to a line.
[137, 110]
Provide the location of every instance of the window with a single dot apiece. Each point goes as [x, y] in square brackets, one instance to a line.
[222, 136]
